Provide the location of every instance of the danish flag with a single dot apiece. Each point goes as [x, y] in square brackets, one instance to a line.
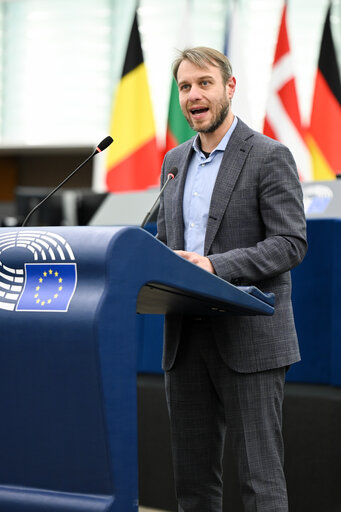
[283, 120]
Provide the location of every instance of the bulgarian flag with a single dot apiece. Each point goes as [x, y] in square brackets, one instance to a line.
[178, 130]
[134, 160]
[324, 138]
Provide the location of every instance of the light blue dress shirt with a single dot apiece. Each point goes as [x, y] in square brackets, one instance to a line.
[201, 176]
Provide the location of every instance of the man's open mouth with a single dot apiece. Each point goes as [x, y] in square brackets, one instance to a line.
[195, 111]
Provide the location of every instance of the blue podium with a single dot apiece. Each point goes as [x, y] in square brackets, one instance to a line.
[68, 304]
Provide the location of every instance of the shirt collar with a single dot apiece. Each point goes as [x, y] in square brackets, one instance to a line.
[222, 144]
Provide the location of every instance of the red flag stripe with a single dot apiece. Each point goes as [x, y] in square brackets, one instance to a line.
[138, 171]
[326, 123]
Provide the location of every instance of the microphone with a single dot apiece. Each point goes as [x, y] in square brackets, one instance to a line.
[170, 176]
[101, 147]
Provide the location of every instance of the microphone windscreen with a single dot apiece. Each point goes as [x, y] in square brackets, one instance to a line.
[104, 143]
[173, 171]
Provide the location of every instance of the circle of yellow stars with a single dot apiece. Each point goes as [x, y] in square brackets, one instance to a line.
[38, 287]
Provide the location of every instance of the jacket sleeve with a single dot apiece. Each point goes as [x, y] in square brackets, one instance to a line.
[284, 245]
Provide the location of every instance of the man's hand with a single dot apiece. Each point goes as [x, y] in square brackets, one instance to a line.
[197, 259]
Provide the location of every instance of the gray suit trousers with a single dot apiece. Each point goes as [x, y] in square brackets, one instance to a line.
[208, 402]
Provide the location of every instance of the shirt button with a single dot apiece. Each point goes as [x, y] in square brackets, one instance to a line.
[203, 165]
[192, 224]
[195, 193]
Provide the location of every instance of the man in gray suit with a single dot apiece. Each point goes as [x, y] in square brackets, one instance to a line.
[234, 209]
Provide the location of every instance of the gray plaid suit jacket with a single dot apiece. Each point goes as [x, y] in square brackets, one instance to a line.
[256, 233]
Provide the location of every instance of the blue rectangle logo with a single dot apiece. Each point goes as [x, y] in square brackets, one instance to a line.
[48, 287]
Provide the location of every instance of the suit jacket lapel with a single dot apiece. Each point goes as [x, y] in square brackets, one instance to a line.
[232, 163]
[177, 204]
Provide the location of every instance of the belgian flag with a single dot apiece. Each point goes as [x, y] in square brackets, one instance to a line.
[324, 137]
[134, 160]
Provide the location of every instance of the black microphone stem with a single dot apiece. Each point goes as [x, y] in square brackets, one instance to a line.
[57, 188]
[145, 220]
[101, 147]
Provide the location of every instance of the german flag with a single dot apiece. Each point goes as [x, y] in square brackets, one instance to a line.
[324, 137]
[178, 130]
[134, 160]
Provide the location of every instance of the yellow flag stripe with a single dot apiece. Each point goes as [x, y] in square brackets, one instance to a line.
[321, 169]
[132, 122]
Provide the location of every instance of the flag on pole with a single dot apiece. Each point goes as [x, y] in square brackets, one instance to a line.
[283, 120]
[324, 138]
[134, 160]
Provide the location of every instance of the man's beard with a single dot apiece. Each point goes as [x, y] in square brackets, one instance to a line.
[217, 121]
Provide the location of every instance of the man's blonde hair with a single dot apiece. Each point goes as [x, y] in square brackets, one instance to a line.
[201, 56]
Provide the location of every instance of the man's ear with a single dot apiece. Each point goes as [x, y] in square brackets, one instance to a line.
[231, 87]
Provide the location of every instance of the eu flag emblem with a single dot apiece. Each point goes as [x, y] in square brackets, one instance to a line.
[48, 287]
